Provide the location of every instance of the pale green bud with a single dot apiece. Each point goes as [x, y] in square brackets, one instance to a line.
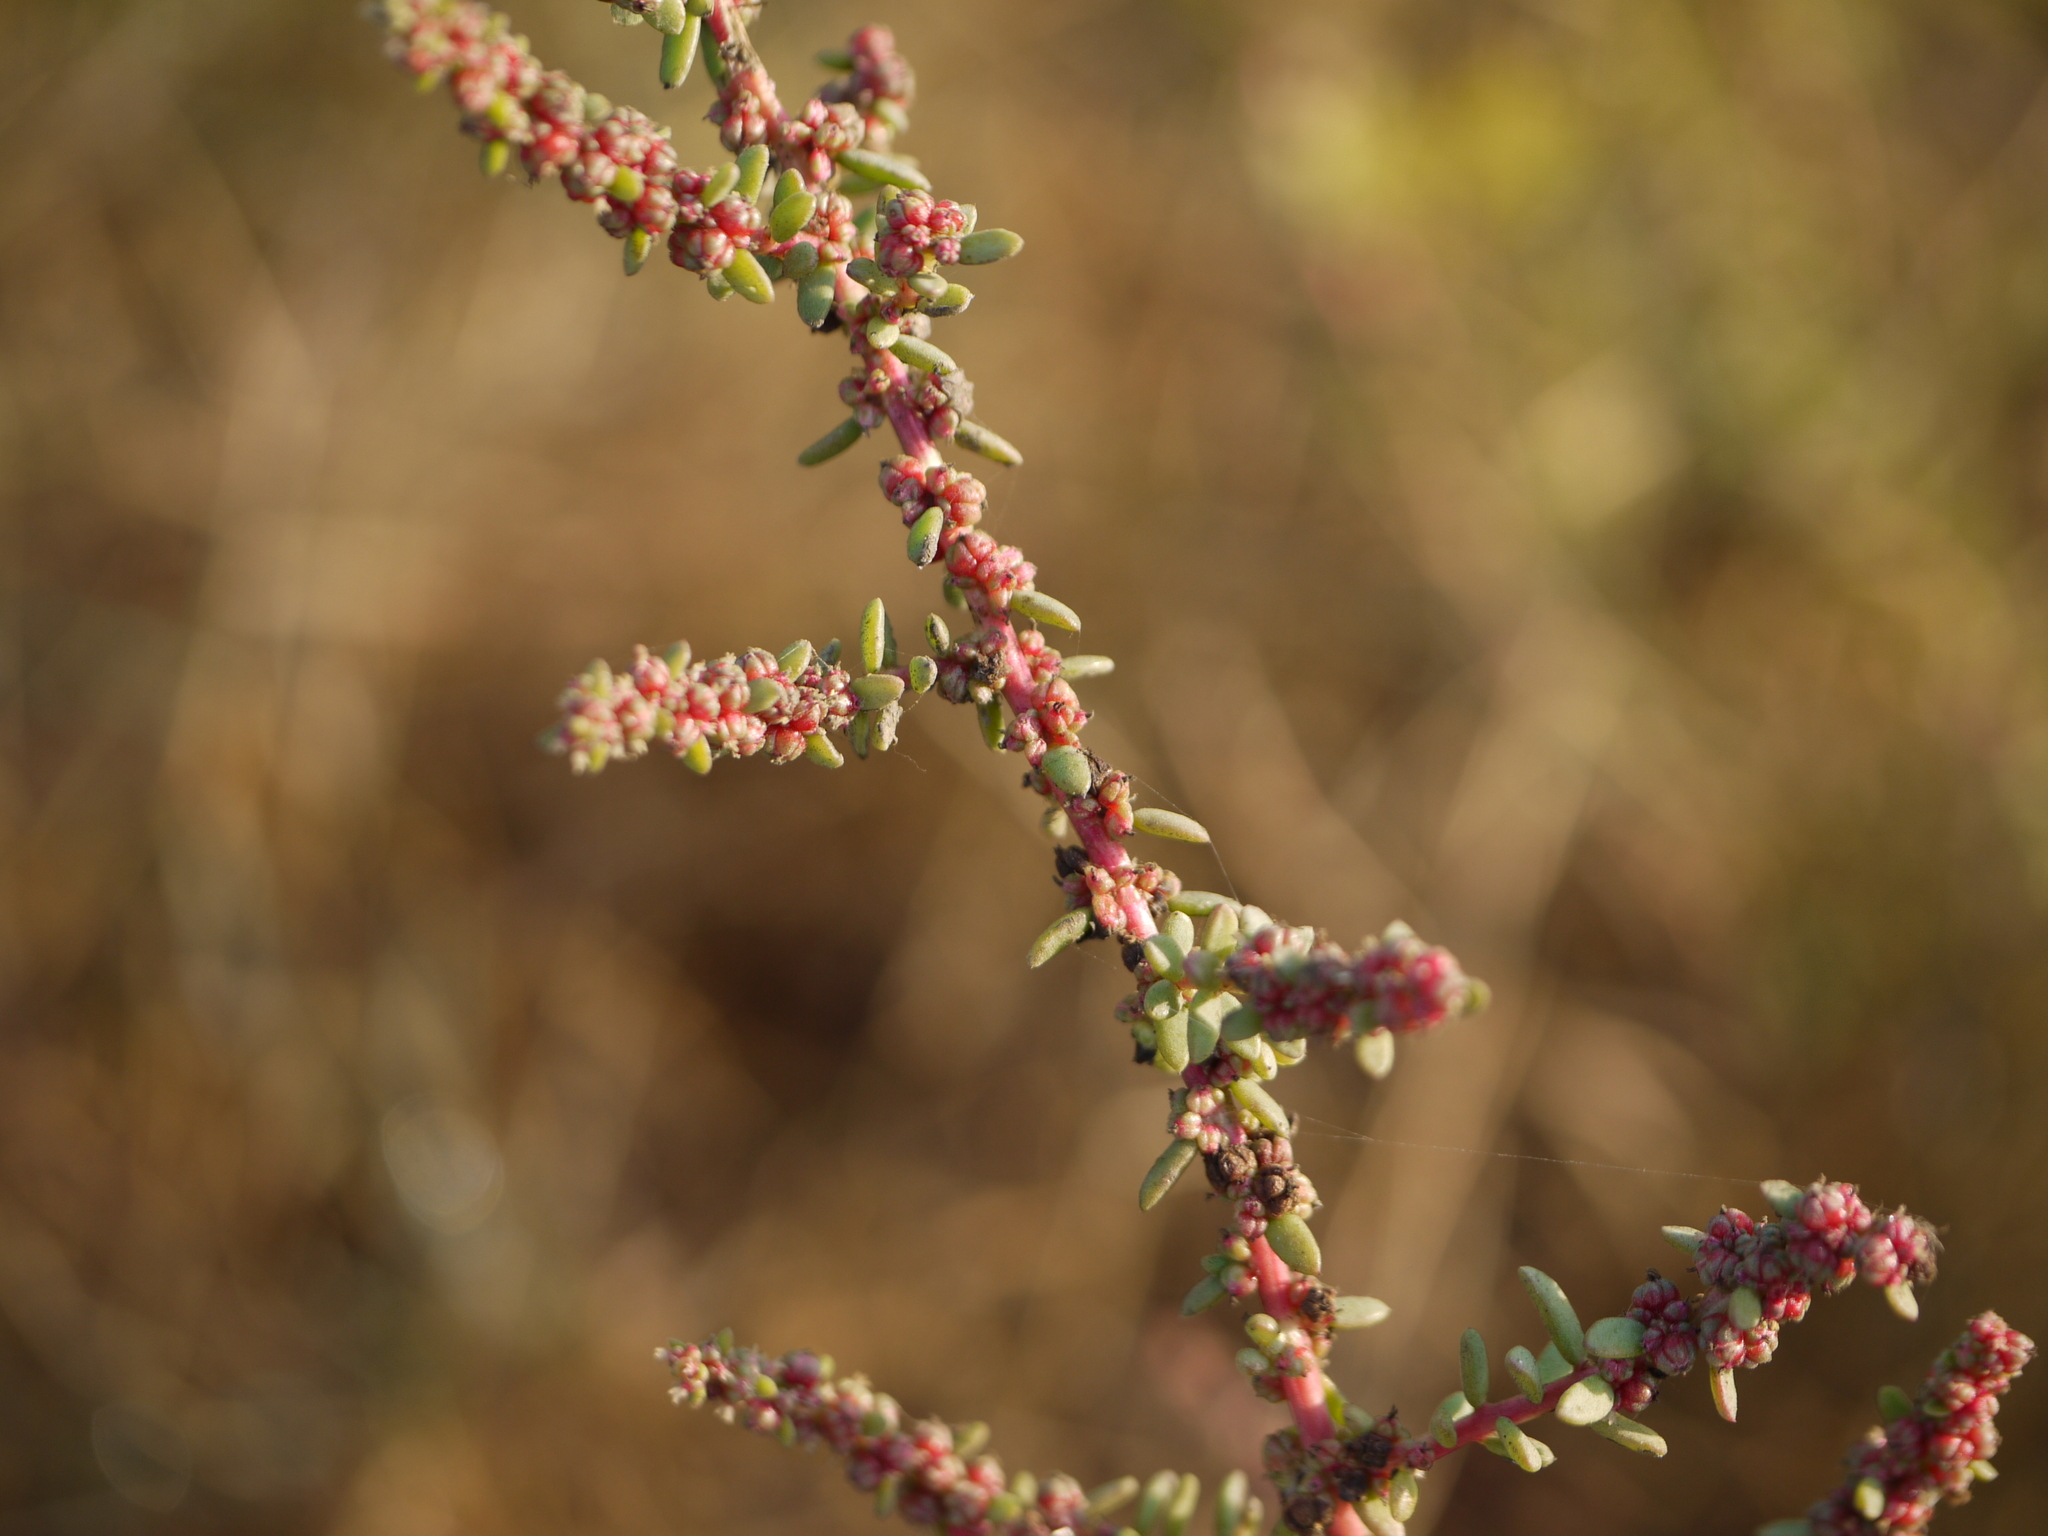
[922, 355]
[1289, 1236]
[1112, 1496]
[1472, 1372]
[1443, 1424]
[923, 673]
[832, 444]
[819, 749]
[1063, 931]
[749, 278]
[636, 245]
[1893, 1404]
[1165, 1170]
[1617, 1338]
[986, 245]
[1261, 1105]
[1041, 609]
[884, 170]
[1230, 1499]
[1631, 1435]
[791, 214]
[1721, 1384]
[923, 542]
[763, 694]
[1359, 1312]
[1586, 1401]
[1159, 1491]
[1375, 1052]
[878, 689]
[1522, 1366]
[1068, 770]
[1183, 829]
[720, 186]
[976, 438]
[1182, 1509]
[874, 621]
[1206, 1293]
[1557, 1314]
[816, 292]
[1077, 669]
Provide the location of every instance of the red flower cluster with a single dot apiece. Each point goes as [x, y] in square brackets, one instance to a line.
[732, 706]
[917, 231]
[1935, 1450]
[1304, 986]
[918, 1468]
[1761, 1275]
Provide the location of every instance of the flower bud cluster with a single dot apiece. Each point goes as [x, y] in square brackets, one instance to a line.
[1759, 1276]
[1936, 1449]
[920, 1469]
[732, 706]
[1303, 985]
[1258, 1175]
[879, 85]
[917, 232]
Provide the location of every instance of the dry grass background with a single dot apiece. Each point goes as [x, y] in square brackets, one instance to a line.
[1571, 473]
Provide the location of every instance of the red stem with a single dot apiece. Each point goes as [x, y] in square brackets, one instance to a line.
[1517, 1409]
[1306, 1398]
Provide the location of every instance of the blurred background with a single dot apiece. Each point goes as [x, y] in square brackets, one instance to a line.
[1570, 473]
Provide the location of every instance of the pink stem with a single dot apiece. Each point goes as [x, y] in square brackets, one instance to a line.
[1517, 1409]
[1305, 1395]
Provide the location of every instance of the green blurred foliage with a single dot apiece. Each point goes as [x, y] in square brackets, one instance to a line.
[1569, 473]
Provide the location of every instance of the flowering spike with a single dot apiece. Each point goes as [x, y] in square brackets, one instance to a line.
[1160, 823]
[1557, 1314]
[986, 245]
[1041, 609]
[972, 435]
[1064, 930]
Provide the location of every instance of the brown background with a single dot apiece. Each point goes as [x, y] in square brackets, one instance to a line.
[1570, 473]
